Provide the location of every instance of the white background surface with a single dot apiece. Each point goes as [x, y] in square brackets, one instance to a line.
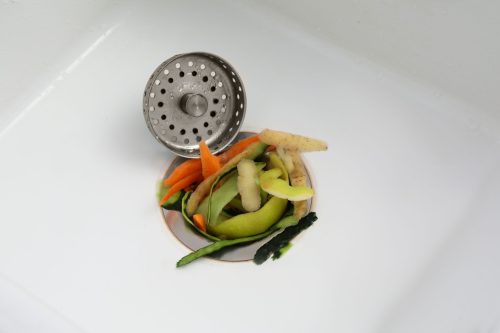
[408, 234]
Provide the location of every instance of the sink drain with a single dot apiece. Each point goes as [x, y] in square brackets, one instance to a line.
[190, 238]
[189, 98]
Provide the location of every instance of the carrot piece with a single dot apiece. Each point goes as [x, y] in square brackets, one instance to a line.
[180, 185]
[185, 169]
[199, 221]
[210, 163]
[237, 148]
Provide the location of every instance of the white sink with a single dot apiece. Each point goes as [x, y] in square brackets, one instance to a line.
[406, 94]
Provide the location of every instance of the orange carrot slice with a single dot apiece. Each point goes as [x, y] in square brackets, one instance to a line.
[210, 163]
[199, 221]
[180, 185]
[237, 148]
[185, 169]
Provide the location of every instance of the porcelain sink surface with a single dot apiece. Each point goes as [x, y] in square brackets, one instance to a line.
[407, 196]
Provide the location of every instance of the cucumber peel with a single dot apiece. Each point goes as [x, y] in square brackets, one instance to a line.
[213, 205]
[174, 202]
[189, 221]
[279, 244]
[280, 188]
[219, 245]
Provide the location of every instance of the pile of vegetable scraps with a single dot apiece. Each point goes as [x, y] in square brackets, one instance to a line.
[256, 188]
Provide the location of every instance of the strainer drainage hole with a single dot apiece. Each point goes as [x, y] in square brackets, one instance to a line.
[183, 131]
[163, 91]
[212, 114]
[171, 127]
[170, 80]
[205, 78]
[181, 73]
[205, 124]
[163, 117]
[194, 73]
[212, 88]
[160, 104]
[186, 141]
[209, 132]
[216, 100]
[195, 130]
[198, 138]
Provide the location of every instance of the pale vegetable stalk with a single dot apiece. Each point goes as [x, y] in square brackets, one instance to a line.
[298, 177]
[291, 141]
[247, 185]
[286, 158]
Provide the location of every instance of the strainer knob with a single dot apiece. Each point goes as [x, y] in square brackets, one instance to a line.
[194, 104]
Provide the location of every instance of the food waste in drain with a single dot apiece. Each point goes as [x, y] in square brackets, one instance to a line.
[254, 189]
[229, 192]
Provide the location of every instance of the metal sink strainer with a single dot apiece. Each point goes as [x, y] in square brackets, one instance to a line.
[192, 97]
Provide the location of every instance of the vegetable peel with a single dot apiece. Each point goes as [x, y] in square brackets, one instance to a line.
[280, 188]
[210, 163]
[251, 152]
[282, 240]
[298, 177]
[247, 185]
[291, 141]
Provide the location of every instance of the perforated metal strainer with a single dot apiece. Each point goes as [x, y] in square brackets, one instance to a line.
[192, 97]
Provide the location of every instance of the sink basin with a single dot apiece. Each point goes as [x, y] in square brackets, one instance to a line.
[407, 196]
